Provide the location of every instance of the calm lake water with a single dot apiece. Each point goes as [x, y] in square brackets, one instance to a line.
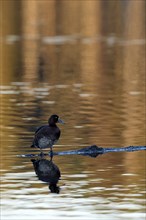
[95, 82]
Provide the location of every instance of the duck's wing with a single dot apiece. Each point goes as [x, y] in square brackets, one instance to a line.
[39, 128]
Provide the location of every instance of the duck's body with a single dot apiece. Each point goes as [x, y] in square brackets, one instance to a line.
[47, 135]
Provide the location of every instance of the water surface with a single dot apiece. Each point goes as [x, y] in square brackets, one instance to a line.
[92, 74]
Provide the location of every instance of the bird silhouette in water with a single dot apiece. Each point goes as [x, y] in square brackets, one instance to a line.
[47, 135]
[48, 172]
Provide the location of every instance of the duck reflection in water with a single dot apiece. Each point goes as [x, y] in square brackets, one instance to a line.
[48, 172]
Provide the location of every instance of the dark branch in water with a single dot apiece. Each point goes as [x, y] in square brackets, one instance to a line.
[92, 151]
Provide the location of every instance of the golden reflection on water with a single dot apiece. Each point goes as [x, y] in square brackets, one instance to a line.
[66, 60]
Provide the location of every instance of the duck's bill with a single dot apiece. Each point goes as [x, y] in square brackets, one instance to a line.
[60, 121]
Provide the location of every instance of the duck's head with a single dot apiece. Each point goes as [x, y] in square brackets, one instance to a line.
[55, 119]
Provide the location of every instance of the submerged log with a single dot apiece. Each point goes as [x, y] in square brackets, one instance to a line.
[92, 151]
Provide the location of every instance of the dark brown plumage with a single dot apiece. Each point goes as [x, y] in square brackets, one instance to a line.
[47, 135]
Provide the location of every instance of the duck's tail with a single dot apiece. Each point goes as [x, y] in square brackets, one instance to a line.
[32, 146]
